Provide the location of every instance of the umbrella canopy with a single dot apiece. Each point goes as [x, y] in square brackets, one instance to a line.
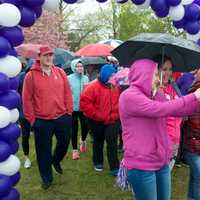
[63, 57]
[93, 60]
[95, 50]
[184, 54]
[29, 50]
[111, 42]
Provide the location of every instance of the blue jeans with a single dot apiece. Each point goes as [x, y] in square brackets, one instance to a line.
[193, 160]
[151, 185]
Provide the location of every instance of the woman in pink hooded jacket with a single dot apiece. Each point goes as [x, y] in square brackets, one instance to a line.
[143, 111]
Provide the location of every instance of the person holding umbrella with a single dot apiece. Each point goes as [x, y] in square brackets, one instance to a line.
[77, 82]
[143, 111]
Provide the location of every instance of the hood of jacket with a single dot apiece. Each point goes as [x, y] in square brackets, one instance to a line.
[74, 63]
[141, 75]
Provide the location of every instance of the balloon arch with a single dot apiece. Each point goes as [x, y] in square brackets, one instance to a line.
[16, 14]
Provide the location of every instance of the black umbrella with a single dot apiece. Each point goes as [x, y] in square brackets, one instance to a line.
[93, 60]
[184, 54]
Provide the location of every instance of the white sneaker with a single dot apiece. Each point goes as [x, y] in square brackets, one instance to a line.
[27, 163]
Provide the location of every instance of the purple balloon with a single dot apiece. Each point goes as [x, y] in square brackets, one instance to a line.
[197, 2]
[138, 2]
[162, 13]
[5, 151]
[13, 195]
[173, 2]
[38, 11]
[14, 83]
[13, 34]
[121, 1]
[15, 178]
[14, 2]
[101, 1]
[10, 99]
[13, 52]
[10, 133]
[179, 24]
[70, 1]
[192, 27]
[198, 42]
[4, 83]
[5, 185]
[192, 12]
[158, 5]
[14, 147]
[31, 3]
[28, 16]
[5, 47]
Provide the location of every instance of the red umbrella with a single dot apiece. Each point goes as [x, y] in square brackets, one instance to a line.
[95, 50]
[29, 50]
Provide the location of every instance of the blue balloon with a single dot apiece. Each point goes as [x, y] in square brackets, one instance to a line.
[173, 2]
[14, 83]
[162, 13]
[5, 185]
[138, 2]
[10, 99]
[14, 147]
[158, 5]
[192, 12]
[13, 34]
[5, 151]
[15, 178]
[13, 52]
[10, 133]
[28, 16]
[192, 27]
[38, 11]
[4, 83]
[198, 42]
[70, 1]
[14, 2]
[197, 2]
[5, 47]
[13, 195]
[33, 3]
[121, 1]
[101, 1]
[179, 24]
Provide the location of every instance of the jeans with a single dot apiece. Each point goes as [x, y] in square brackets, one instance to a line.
[193, 160]
[44, 131]
[151, 185]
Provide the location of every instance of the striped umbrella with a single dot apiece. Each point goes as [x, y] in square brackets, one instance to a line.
[111, 42]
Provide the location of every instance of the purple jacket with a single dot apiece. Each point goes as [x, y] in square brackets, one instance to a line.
[143, 118]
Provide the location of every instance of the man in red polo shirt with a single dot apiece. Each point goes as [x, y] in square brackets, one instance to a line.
[47, 105]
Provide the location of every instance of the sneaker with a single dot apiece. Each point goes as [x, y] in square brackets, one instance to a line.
[98, 168]
[75, 155]
[27, 163]
[83, 147]
[114, 172]
[57, 169]
[46, 185]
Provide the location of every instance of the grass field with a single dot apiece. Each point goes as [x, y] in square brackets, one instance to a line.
[81, 182]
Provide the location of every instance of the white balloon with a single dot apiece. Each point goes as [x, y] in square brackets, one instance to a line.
[145, 5]
[14, 115]
[5, 117]
[10, 166]
[186, 2]
[193, 37]
[51, 5]
[9, 15]
[177, 12]
[10, 65]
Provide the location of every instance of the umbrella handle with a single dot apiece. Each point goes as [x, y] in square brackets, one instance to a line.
[161, 78]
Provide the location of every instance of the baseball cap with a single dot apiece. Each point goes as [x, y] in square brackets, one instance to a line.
[45, 50]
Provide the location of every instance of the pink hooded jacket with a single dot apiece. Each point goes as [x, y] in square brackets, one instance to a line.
[143, 118]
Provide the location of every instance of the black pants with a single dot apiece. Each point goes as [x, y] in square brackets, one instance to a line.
[44, 130]
[109, 133]
[83, 122]
[25, 130]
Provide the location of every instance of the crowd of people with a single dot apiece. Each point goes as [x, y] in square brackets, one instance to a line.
[157, 116]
